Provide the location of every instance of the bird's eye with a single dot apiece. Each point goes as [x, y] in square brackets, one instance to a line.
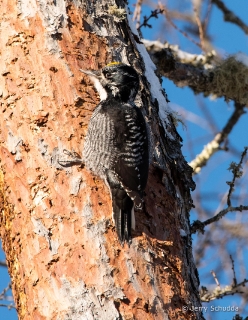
[107, 75]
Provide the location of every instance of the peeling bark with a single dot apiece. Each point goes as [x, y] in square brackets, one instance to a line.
[62, 250]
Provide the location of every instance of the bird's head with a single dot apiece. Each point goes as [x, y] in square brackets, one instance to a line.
[115, 79]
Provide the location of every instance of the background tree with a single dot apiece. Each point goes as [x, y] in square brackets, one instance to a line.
[206, 73]
[200, 46]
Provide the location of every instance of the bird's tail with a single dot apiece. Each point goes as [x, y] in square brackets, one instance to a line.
[123, 216]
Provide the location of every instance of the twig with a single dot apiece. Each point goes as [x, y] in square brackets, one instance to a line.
[154, 14]
[4, 297]
[200, 27]
[199, 225]
[137, 13]
[237, 173]
[162, 7]
[230, 16]
[3, 264]
[234, 274]
[2, 294]
[215, 278]
[9, 306]
[214, 145]
[206, 20]
[199, 60]
[219, 293]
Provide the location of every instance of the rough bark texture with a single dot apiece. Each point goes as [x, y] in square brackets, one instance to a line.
[62, 250]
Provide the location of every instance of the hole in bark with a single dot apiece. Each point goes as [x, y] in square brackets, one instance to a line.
[126, 301]
[146, 307]
[53, 69]
[79, 102]
[57, 36]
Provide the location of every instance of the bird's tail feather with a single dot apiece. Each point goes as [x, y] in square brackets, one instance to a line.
[123, 224]
[122, 212]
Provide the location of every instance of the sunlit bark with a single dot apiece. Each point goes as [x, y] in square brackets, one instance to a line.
[62, 250]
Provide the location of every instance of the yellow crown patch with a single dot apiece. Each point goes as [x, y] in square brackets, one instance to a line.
[113, 63]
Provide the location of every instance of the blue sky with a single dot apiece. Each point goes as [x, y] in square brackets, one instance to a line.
[228, 39]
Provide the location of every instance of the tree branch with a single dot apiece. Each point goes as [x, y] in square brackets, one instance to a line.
[137, 12]
[227, 79]
[200, 26]
[9, 306]
[230, 16]
[237, 173]
[219, 293]
[168, 17]
[3, 296]
[3, 264]
[199, 225]
[214, 145]
[154, 14]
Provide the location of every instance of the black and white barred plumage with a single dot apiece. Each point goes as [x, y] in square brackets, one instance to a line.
[116, 145]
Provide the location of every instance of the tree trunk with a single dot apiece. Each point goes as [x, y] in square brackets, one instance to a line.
[63, 254]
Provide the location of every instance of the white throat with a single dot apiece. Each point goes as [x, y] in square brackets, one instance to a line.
[101, 91]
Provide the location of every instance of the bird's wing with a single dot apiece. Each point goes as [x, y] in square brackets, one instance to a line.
[131, 140]
[99, 147]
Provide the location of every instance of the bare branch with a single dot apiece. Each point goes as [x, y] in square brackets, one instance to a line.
[154, 14]
[206, 20]
[3, 296]
[9, 306]
[237, 173]
[214, 145]
[167, 15]
[226, 79]
[200, 27]
[233, 269]
[3, 293]
[157, 47]
[3, 264]
[230, 16]
[199, 225]
[219, 293]
[183, 16]
[215, 278]
[137, 12]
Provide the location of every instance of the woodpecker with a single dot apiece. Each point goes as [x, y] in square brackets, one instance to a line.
[116, 144]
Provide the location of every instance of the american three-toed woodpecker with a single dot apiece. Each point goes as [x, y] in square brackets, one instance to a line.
[116, 144]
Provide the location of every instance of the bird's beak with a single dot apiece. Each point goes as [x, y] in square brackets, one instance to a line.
[91, 73]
